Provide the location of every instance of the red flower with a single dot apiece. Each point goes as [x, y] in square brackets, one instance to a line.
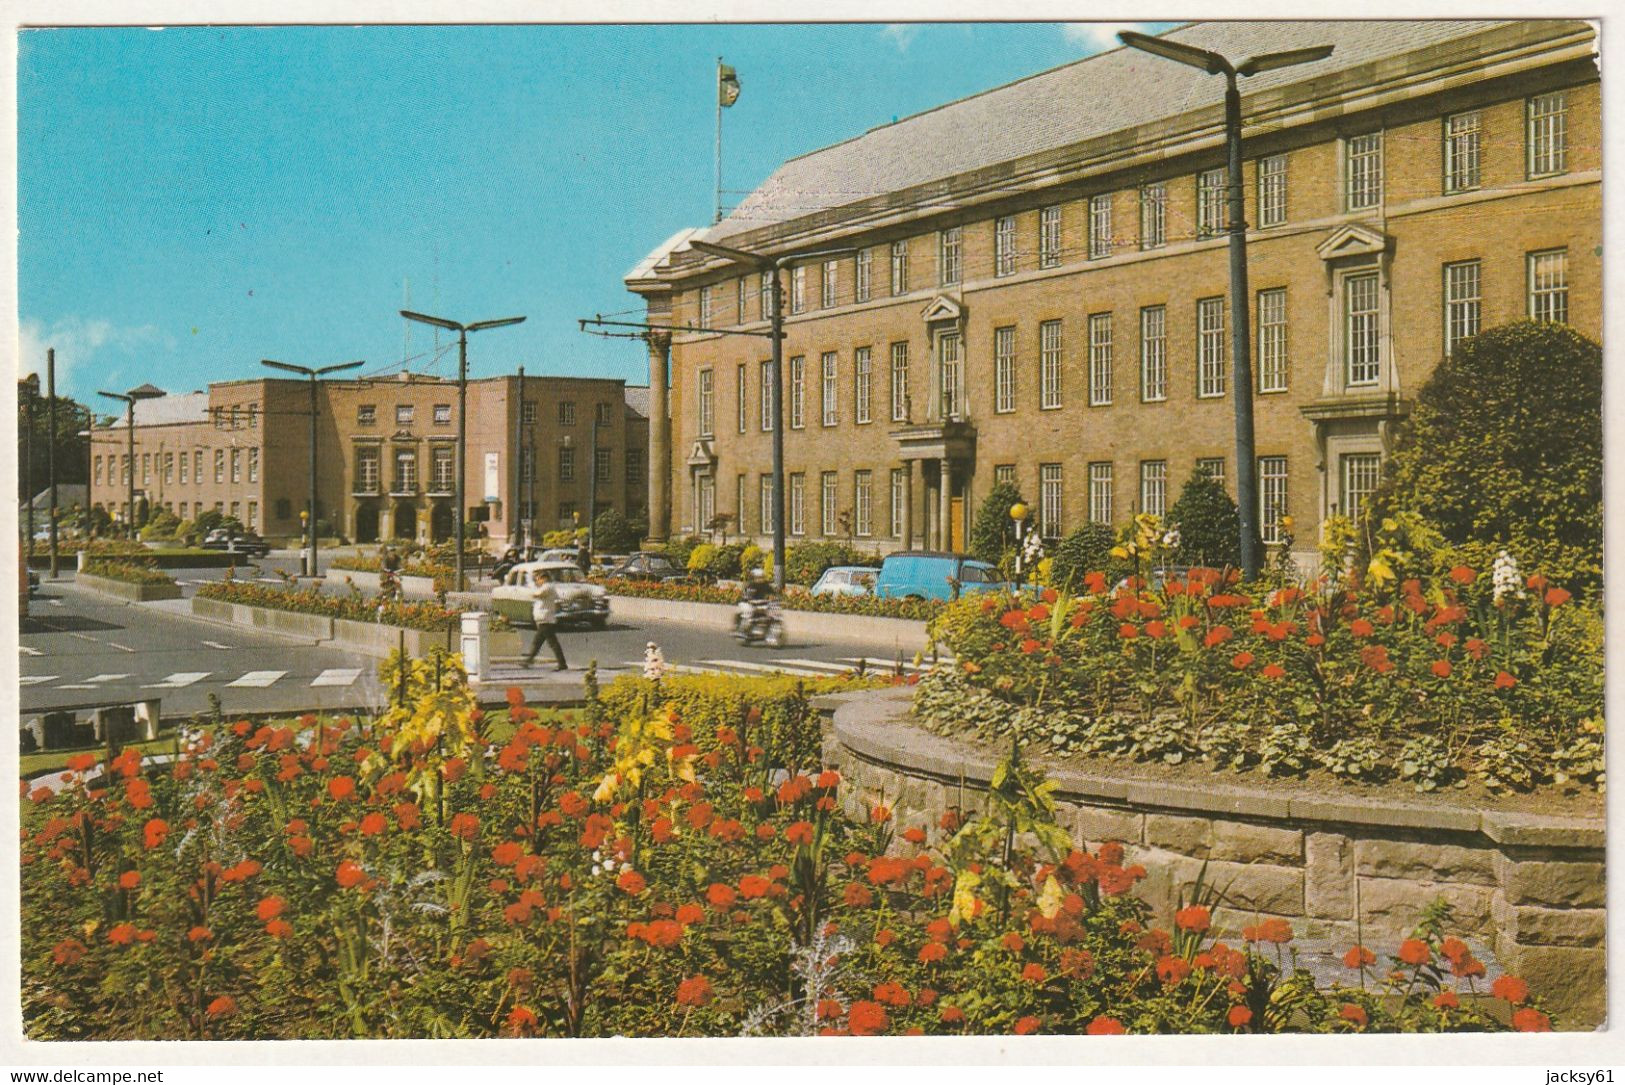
[79, 762]
[720, 896]
[1105, 1026]
[1270, 930]
[224, 1006]
[752, 886]
[1241, 660]
[408, 815]
[270, 907]
[1128, 631]
[1414, 951]
[1193, 918]
[466, 826]
[914, 835]
[1239, 1016]
[1461, 574]
[1446, 1000]
[1013, 942]
[866, 1018]
[1511, 988]
[1503, 680]
[1155, 629]
[68, 952]
[199, 934]
[1361, 628]
[799, 832]
[880, 815]
[373, 824]
[1273, 671]
[1453, 949]
[507, 853]
[1216, 636]
[1026, 1026]
[154, 832]
[892, 994]
[694, 991]
[1441, 668]
[951, 1015]
[1359, 957]
[278, 928]
[341, 787]
[1556, 597]
[1476, 648]
[130, 879]
[1034, 973]
[349, 874]
[932, 952]
[1173, 970]
[1530, 1019]
[630, 882]
[1351, 1012]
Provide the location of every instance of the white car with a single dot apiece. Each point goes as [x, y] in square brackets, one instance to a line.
[579, 601]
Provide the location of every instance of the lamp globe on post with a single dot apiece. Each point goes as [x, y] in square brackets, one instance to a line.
[1018, 514]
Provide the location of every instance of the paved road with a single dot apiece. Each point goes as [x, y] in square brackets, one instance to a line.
[79, 647]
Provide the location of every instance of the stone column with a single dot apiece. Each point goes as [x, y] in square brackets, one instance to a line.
[945, 533]
[659, 438]
[908, 504]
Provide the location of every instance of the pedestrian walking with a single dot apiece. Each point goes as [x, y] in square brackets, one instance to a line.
[544, 611]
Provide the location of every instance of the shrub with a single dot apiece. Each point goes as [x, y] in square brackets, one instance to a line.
[1087, 548]
[651, 869]
[355, 607]
[612, 534]
[130, 572]
[992, 532]
[162, 525]
[724, 563]
[679, 550]
[1209, 525]
[804, 564]
[1504, 450]
[699, 559]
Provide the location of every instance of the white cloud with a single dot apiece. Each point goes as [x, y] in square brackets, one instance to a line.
[1096, 37]
[901, 34]
[82, 346]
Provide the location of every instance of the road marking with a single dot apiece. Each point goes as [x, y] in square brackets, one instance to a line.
[258, 679]
[77, 685]
[226, 647]
[270, 580]
[57, 603]
[121, 647]
[337, 676]
[178, 680]
[27, 651]
[106, 678]
[85, 636]
[36, 679]
[781, 666]
[876, 663]
[824, 666]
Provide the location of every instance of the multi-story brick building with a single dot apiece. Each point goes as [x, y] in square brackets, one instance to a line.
[1037, 283]
[386, 454]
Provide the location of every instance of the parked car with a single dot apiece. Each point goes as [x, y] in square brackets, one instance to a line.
[243, 542]
[927, 575]
[580, 602]
[647, 565]
[561, 553]
[846, 580]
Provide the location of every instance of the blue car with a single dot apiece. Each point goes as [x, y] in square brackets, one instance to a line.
[926, 575]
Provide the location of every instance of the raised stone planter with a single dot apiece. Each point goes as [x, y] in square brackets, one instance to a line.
[1528, 888]
[129, 592]
[369, 581]
[368, 638]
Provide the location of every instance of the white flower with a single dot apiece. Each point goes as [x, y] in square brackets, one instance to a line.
[654, 663]
[1170, 538]
[1033, 547]
[1507, 579]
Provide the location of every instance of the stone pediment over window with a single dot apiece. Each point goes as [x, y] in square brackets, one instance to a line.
[943, 309]
[702, 455]
[1353, 240]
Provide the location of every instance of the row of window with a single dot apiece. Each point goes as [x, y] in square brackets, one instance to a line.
[170, 466]
[366, 414]
[235, 508]
[1547, 284]
[368, 460]
[232, 417]
[602, 460]
[1361, 185]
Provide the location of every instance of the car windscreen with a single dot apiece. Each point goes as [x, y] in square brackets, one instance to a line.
[567, 576]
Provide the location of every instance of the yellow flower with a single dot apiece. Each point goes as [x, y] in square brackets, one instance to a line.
[1049, 900]
[964, 906]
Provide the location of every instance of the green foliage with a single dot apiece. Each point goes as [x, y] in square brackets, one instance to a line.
[699, 559]
[678, 550]
[804, 564]
[724, 562]
[162, 525]
[1504, 450]
[207, 520]
[1425, 761]
[992, 532]
[1086, 550]
[129, 572]
[354, 607]
[1209, 525]
[612, 533]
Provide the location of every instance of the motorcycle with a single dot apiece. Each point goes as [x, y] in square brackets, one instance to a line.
[762, 623]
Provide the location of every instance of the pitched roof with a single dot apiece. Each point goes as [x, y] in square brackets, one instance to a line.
[637, 399]
[1101, 94]
[168, 410]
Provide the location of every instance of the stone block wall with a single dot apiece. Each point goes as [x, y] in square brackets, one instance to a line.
[1527, 891]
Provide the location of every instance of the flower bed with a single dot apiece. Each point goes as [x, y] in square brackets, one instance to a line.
[128, 572]
[858, 605]
[1427, 680]
[442, 575]
[627, 874]
[428, 617]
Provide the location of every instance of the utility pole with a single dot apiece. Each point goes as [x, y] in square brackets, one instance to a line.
[1247, 503]
[50, 450]
[129, 477]
[310, 520]
[30, 393]
[462, 331]
[592, 491]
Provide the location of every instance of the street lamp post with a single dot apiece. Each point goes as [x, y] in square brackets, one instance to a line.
[30, 392]
[1018, 513]
[1241, 332]
[776, 265]
[462, 331]
[313, 374]
[129, 430]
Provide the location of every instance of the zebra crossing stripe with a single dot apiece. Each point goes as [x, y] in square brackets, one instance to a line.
[178, 680]
[819, 666]
[106, 678]
[27, 651]
[876, 663]
[36, 679]
[217, 644]
[258, 679]
[337, 676]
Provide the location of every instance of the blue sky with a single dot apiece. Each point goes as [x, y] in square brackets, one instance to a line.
[193, 200]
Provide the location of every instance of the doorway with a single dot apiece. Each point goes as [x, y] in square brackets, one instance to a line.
[406, 522]
[956, 523]
[366, 523]
[441, 526]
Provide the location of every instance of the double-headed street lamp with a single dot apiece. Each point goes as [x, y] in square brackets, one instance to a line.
[313, 374]
[775, 265]
[462, 331]
[1241, 332]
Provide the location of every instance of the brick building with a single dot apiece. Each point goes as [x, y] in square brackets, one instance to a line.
[386, 454]
[1039, 284]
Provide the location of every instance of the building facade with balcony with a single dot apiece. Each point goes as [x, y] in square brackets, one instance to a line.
[386, 455]
[1037, 289]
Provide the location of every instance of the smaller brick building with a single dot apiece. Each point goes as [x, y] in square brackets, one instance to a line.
[386, 455]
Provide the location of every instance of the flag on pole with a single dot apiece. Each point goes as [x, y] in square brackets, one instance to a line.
[727, 85]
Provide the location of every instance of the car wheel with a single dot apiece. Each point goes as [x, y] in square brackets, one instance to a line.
[599, 621]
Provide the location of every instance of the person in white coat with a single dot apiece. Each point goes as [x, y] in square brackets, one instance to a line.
[544, 610]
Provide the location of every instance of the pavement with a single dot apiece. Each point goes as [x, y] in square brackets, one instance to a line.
[80, 647]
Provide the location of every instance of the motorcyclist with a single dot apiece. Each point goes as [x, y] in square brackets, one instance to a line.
[389, 580]
[757, 593]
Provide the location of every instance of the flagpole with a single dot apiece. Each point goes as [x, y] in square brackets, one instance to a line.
[717, 215]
